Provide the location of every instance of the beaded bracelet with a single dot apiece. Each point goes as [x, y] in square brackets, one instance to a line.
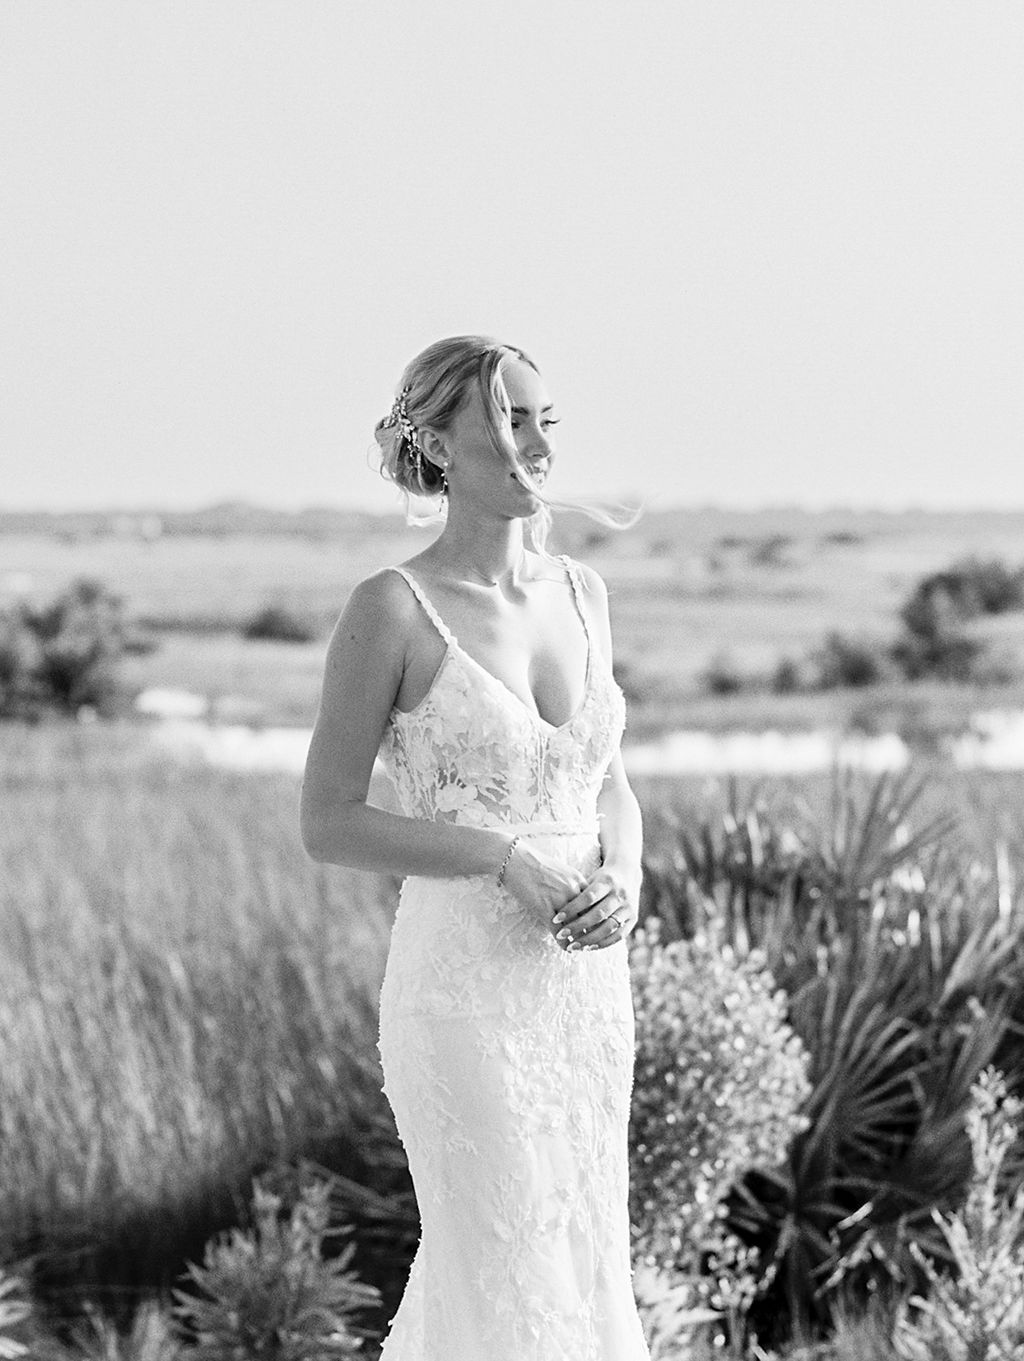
[508, 856]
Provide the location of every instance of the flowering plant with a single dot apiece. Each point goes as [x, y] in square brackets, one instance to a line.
[720, 1079]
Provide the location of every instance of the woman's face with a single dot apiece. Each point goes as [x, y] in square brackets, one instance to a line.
[478, 471]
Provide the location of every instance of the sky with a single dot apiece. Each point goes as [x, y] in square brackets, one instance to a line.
[763, 254]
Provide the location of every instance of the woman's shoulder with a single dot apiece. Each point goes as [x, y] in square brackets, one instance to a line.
[589, 580]
[383, 596]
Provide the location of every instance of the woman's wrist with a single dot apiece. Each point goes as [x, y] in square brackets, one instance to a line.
[626, 872]
[510, 851]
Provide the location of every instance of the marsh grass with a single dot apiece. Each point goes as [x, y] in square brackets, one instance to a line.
[184, 999]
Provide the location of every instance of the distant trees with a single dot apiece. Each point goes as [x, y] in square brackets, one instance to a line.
[65, 656]
[934, 641]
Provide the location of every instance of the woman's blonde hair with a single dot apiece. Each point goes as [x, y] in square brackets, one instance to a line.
[432, 389]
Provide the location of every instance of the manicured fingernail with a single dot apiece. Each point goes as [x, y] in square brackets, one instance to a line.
[564, 934]
[559, 918]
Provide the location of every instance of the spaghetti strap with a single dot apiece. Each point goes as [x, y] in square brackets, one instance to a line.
[573, 573]
[428, 608]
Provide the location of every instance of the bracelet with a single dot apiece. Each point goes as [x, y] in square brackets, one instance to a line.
[508, 856]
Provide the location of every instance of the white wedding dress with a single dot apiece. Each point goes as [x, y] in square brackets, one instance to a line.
[507, 1060]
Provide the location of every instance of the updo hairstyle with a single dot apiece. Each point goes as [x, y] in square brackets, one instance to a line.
[436, 384]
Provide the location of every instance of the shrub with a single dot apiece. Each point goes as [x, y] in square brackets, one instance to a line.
[268, 1294]
[65, 655]
[14, 1311]
[787, 678]
[896, 956]
[720, 1077]
[964, 590]
[720, 676]
[843, 662]
[769, 551]
[276, 623]
[150, 1338]
[979, 1311]
[946, 654]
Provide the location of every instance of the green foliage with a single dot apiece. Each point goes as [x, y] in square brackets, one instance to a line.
[977, 1313]
[65, 656]
[269, 1294]
[279, 624]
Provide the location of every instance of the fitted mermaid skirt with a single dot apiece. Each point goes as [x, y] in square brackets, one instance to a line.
[507, 1060]
[508, 1064]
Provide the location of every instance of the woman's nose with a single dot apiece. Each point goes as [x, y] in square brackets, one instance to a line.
[538, 443]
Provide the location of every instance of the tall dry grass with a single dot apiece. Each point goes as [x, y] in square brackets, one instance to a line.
[184, 998]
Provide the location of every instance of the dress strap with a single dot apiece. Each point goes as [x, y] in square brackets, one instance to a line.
[428, 608]
[576, 582]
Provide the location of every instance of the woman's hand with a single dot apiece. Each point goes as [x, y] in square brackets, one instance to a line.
[602, 913]
[542, 883]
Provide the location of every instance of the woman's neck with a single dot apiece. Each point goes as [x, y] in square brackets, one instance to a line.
[486, 554]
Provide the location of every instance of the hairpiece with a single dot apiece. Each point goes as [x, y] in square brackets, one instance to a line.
[399, 415]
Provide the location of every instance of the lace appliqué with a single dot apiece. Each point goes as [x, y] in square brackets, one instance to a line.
[508, 1061]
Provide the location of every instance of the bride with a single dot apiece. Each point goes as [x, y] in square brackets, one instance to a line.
[480, 672]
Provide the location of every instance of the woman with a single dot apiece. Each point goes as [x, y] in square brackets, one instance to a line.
[481, 672]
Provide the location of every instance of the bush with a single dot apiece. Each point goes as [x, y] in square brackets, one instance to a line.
[979, 1311]
[720, 676]
[65, 656]
[720, 1078]
[269, 1294]
[787, 678]
[14, 1311]
[933, 642]
[946, 654]
[150, 1337]
[769, 551]
[848, 662]
[276, 623]
[896, 958]
[964, 590]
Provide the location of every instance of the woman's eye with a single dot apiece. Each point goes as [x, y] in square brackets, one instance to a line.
[552, 420]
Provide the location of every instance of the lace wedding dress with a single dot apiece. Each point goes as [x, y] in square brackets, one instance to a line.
[508, 1061]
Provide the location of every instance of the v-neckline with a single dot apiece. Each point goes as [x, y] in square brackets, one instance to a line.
[455, 648]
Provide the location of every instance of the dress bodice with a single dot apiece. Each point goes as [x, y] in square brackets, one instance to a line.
[473, 753]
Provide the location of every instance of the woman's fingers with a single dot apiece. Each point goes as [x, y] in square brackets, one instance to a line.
[599, 923]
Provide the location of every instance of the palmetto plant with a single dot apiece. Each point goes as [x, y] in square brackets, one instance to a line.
[14, 1310]
[900, 961]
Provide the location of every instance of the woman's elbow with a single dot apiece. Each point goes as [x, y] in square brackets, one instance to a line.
[324, 829]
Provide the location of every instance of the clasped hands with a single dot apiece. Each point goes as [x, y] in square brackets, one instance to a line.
[582, 911]
[599, 915]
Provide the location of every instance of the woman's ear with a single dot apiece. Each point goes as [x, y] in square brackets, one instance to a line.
[435, 448]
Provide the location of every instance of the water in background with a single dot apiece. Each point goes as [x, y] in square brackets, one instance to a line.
[994, 741]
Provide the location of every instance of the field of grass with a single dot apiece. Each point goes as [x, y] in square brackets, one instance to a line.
[185, 998]
[687, 588]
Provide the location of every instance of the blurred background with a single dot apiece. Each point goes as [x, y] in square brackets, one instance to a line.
[767, 259]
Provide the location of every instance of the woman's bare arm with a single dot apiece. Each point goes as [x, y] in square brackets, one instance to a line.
[365, 663]
[615, 886]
